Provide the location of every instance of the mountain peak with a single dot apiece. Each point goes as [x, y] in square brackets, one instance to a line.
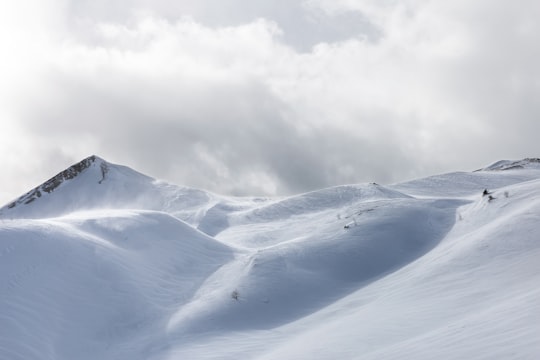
[74, 170]
[514, 164]
[94, 183]
[68, 174]
[101, 166]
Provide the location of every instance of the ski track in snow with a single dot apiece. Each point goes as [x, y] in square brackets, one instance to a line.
[116, 265]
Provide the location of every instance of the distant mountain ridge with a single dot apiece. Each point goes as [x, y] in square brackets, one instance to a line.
[94, 183]
[513, 164]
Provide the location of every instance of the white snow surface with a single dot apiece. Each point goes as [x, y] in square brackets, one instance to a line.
[116, 265]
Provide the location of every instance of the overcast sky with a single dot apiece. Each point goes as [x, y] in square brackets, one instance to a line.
[267, 96]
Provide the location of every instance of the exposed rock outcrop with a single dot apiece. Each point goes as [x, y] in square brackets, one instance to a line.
[54, 182]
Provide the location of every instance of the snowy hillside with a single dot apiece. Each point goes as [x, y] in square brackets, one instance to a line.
[102, 262]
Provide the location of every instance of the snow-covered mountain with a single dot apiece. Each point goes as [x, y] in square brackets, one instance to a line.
[102, 262]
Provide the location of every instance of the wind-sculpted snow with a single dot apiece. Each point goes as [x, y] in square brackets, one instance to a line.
[321, 263]
[86, 287]
[331, 198]
[464, 184]
[114, 265]
[473, 294]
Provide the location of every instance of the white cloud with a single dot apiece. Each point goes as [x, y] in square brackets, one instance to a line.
[230, 100]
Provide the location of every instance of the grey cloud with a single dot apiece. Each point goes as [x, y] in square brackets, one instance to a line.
[244, 129]
[497, 82]
[303, 26]
[445, 87]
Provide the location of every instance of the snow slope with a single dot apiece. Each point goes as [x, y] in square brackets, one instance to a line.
[112, 264]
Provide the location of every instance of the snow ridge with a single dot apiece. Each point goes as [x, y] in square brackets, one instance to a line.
[503, 165]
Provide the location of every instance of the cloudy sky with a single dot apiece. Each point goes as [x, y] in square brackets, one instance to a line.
[267, 96]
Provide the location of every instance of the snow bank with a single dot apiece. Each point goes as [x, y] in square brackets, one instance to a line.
[112, 264]
[97, 286]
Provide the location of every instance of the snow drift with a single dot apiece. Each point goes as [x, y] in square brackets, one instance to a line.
[103, 262]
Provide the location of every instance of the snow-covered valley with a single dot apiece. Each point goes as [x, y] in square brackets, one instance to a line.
[102, 262]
